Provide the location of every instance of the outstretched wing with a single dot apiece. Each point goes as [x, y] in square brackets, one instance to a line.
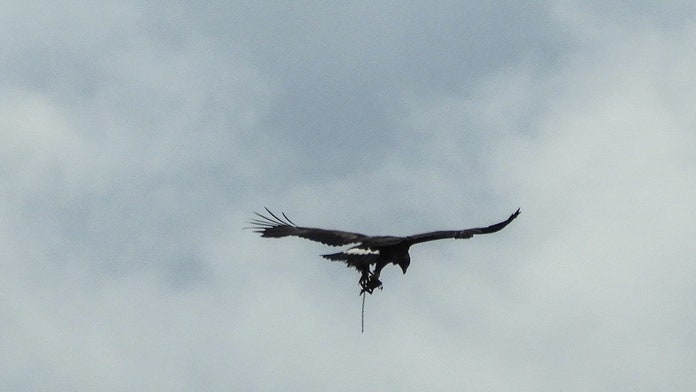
[468, 233]
[275, 227]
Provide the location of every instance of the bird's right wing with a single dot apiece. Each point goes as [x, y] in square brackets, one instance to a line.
[274, 227]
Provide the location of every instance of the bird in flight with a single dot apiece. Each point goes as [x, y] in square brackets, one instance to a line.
[369, 251]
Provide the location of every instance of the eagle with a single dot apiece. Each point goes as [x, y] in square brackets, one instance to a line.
[377, 251]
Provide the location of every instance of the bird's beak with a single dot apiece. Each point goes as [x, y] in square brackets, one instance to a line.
[404, 268]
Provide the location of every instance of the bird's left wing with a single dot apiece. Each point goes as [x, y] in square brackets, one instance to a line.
[467, 233]
[275, 227]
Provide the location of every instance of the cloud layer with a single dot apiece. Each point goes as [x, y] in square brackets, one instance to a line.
[137, 138]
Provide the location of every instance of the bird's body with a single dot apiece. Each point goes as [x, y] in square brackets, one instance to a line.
[369, 250]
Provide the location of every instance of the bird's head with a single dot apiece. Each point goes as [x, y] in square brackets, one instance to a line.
[405, 262]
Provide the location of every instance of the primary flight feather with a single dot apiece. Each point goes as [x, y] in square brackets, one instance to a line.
[369, 250]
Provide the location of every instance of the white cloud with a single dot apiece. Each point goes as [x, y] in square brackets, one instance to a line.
[606, 185]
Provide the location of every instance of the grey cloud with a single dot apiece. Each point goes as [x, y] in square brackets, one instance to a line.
[137, 138]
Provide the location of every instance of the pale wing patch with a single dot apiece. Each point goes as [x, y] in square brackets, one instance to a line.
[360, 258]
[361, 251]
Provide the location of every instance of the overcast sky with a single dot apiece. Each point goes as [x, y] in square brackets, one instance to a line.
[136, 138]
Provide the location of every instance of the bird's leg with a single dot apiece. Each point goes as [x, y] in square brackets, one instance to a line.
[364, 277]
[374, 278]
[371, 282]
[364, 281]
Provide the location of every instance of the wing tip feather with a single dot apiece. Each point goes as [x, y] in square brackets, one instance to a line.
[271, 226]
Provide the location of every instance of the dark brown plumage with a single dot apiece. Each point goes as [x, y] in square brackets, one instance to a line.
[370, 250]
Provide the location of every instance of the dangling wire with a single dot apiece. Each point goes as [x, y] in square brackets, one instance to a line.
[362, 317]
